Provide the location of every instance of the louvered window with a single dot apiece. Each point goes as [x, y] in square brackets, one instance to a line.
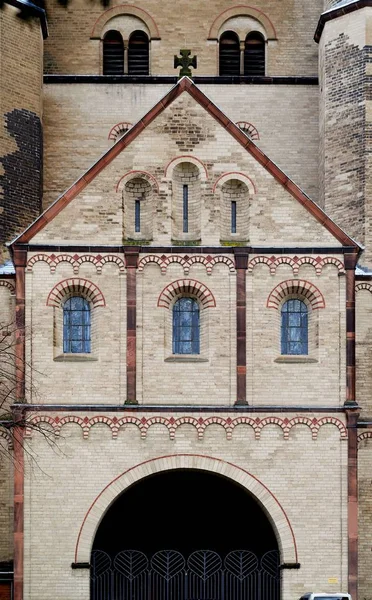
[229, 54]
[138, 54]
[254, 54]
[113, 54]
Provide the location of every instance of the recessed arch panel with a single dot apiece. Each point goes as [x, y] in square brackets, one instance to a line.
[125, 9]
[242, 9]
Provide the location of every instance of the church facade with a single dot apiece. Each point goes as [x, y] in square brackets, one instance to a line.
[186, 284]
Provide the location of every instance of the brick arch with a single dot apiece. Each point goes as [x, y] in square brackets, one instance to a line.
[116, 130]
[363, 286]
[186, 158]
[125, 9]
[236, 175]
[183, 287]
[364, 436]
[270, 504]
[296, 287]
[249, 130]
[244, 10]
[75, 285]
[137, 174]
[8, 284]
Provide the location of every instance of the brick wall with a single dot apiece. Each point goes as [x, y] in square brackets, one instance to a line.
[69, 48]
[21, 67]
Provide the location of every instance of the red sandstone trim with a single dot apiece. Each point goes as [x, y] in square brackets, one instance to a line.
[144, 174]
[352, 419]
[230, 175]
[186, 286]
[185, 84]
[198, 456]
[241, 9]
[298, 287]
[131, 258]
[188, 158]
[241, 264]
[76, 285]
[127, 9]
[350, 263]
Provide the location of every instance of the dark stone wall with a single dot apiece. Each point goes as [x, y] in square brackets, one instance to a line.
[21, 181]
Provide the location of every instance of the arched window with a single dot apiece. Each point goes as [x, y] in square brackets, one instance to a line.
[254, 54]
[113, 54]
[229, 54]
[138, 54]
[186, 327]
[294, 327]
[76, 325]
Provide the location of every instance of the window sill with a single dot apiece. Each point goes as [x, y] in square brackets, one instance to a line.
[186, 358]
[295, 358]
[75, 357]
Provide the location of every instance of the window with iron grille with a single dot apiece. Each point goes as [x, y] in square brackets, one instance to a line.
[229, 54]
[76, 325]
[254, 54]
[113, 54]
[186, 327]
[138, 54]
[294, 327]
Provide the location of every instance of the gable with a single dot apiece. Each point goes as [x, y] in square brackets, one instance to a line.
[184, 125]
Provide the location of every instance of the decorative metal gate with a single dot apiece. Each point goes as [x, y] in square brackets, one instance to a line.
[168, 575]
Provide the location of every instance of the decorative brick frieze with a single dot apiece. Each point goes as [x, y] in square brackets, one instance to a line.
[75, 285]
[299, 288]
[296, 262]
[183, 287]
[186, 261]
[200, 423]
[75, 260]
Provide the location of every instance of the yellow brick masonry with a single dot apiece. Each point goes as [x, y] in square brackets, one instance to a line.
[296, 471]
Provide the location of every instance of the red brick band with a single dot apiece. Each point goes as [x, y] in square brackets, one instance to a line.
[241, 265]
[131, 258]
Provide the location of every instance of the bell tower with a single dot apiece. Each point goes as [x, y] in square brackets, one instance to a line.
[344, 34]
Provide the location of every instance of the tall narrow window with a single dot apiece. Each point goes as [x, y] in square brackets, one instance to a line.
[76, 325]
[186, 327]
[233, 216]
[294, 327]
[185, 208]
[254, 54]
[137, 216]
[138, 54]
[229, 54]
[113, 54]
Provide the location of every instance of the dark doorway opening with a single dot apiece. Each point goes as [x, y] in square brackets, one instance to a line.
[185, 535]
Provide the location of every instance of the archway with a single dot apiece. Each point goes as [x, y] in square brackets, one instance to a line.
[185, 535]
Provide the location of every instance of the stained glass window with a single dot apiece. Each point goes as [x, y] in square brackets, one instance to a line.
[186, 327]
[294, 327]
[76, 325]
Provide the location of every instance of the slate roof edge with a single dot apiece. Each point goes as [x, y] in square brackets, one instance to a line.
[184, 85]
[29, 8]
[338, 11]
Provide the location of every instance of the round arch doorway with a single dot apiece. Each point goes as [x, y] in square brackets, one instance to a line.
[185, 535]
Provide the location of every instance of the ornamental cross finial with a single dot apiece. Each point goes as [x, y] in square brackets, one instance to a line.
[185, 62]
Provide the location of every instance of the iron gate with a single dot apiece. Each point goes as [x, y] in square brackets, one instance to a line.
[168, 575]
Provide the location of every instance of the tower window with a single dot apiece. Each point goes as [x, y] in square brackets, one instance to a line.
[76, 325]
[137, 216]
[185, 208]
[113, 54]
[186, 327]
[294, 327]
[138, 54]
[229, 54]
[233, 216]
[254, 54]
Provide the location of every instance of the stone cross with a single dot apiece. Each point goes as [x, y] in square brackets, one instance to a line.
[185, 62]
